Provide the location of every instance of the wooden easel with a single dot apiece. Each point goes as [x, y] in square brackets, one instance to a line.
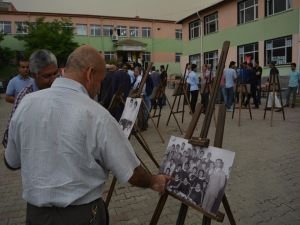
[274, 86]
[118, 99]
[138, 94]
[160, 93]
[181, 91]
[242, 90]
[202, 141]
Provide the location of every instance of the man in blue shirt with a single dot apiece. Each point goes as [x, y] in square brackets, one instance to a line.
[293, 85]
[19, 82]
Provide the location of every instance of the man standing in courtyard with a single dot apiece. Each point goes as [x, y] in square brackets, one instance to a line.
[66, 143]
[19, 82]
[294, 77]
[229, 78]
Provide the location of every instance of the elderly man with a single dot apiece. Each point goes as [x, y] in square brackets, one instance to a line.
[66, 144]
[43, 67]
[19, 82]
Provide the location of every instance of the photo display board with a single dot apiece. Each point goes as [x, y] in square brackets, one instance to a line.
[129, 115]
[200, 174]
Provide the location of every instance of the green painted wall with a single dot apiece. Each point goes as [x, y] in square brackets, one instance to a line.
[286, 23]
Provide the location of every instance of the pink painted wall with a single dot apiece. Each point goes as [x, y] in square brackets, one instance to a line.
[159, 29]
[163, 57]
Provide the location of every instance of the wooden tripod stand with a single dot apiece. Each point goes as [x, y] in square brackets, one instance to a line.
[242, 91]
[118, 99]
[274, 86]
[202, 141]
[180, 92]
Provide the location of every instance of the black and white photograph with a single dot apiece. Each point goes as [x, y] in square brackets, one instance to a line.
[200, 174]
[129, 115]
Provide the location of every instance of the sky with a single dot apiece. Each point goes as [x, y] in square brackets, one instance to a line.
[152, 9]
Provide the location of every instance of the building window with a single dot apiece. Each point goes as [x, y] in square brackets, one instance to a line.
[134, 31]
[247, 11]
[109, 56]
[21, 28]
[177, 57]
[194, 28]
[211, 58]
[248, 53]
[279, 50]
[81, 29]
[122, 31]
[146, 32]
[178, 34]
[107, 30]
[195, 59]
[5, 27]
[146, 57]
[95, 30]
[211, 23]
[276, 6]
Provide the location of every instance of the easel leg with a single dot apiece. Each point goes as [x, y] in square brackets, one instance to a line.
[173, 104]
[167, 100]
[110, 192]
[228, 210]
[158, 209]
[161, 137]
[182, 214]
[240, 103]
[206, 221]
[147, 150]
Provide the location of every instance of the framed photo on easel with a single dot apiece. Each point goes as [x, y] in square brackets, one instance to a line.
[200, 174]
[129, 114]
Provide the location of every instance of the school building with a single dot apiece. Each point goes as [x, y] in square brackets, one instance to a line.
[118, 38]
[263, 30]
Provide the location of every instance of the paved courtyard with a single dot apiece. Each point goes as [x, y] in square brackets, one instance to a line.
[264, 187]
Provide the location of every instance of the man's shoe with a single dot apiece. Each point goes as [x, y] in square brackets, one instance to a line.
[293, 105]
[278, 110]
[286, 105]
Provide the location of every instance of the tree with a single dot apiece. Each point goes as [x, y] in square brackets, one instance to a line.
[56, 36]
[6, 54]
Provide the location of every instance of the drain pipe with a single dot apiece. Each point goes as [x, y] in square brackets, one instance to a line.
[201, 41]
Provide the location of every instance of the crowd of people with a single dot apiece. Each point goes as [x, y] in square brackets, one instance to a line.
[197, 177]
[246, 78]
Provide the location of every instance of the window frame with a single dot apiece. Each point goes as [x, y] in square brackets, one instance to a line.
[6, 24]
[178, 34]
[135, 30]
[288, 38]
[255, 12]
[288, 5]
[24, 26]
[109, 54]
[107, 30]
[146, 55]
[81, 25]
[122, 31]
[255, 52]
[198, 63]
[94, 28]
[207, 59]
[194, 28]
[178, 57]
[146, 32]
[207, 22]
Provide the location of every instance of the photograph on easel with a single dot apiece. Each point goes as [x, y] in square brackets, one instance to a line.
[129, 115]
[200, 174]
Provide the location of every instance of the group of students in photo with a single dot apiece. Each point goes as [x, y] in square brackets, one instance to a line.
[196, 177]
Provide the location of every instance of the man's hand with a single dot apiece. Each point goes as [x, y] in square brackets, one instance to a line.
[159, 182]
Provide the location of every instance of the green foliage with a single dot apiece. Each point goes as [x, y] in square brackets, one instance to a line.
[6, 55]
[56, 36]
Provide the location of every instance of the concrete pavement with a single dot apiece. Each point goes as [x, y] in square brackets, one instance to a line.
[264, 187]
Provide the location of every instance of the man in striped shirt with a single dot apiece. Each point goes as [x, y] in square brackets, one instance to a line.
[43, 67]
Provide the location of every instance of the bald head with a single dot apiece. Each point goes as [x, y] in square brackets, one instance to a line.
[86, 66]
